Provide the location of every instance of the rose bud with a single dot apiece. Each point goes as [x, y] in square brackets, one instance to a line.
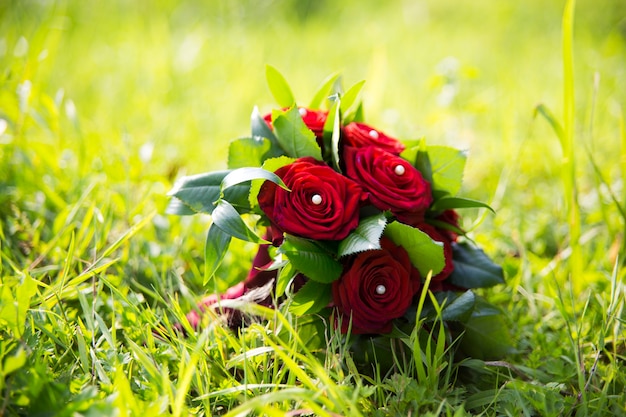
[376, 287]
[361, 135]
[322, 204]
[391, 182]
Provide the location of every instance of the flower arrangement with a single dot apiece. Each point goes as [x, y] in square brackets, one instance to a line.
[353, 225]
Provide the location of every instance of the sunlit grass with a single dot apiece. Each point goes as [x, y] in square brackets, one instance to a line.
[103, 106]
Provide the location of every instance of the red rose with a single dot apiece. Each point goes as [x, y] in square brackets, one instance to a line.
[376, 287]
[360, 135]
[392, 182]
[313, 119]
[322, 204]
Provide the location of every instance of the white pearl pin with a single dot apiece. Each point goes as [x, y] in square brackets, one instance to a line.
[316, 199]
[373, 134]
[399, 170]
[380, 289]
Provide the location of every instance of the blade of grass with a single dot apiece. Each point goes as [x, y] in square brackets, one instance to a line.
[186, 372]
[622, 131]
[569, 163]
[101, 264]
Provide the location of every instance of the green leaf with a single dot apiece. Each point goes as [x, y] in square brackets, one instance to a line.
[410, 154]
[422, 163]
[425, 253]
[416, 153]
[294, 136]
[379, 350]
[336, 89]
[13, 362]
[350, 96]
[270, 165]
[14, 305]
[311, 298]
[486, 333]
[365, 237]
[442, 166]
[226, 218]
[336, 134]
[200, 193]
[248, 174]
[311, 260]
[356, 116]
[24, 292]
[447, 166]
[418, 156]
[260, 128]
[454, 306]
[311, 331]
[285, 275]
[279, 87]
[413, 145]
[248, 152]
[473, 268]
[324, 91]
[177, 207]
[458, 307]
[216, 246]
[446, 203]
[329, 128]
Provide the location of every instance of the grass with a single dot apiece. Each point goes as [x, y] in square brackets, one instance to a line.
[103, 106]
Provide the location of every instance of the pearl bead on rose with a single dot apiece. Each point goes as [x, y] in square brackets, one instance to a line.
[316, 199]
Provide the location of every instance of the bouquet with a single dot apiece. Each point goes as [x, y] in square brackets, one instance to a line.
[354, 227]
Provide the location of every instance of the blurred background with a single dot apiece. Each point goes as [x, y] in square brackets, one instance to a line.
[183, 76]
[122, 97]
